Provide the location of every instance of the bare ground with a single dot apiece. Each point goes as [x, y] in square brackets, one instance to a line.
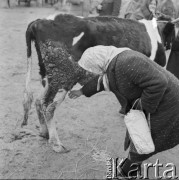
[90, 127]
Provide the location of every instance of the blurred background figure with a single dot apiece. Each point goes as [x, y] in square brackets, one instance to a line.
[176, 6]
[86, 6]
[109, 8]
[141, 9]
[124, 6]
[5, 3]
[94, 4]
[8, 3]
[166, 8]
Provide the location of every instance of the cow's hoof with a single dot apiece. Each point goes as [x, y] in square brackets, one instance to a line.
[57, 146]
[24, 122]
[60, 149]
[44, 135]
[44, 131]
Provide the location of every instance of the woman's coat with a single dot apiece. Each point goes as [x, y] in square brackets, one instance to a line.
[131, 76]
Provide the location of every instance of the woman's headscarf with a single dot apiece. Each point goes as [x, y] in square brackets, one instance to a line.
[96, 60]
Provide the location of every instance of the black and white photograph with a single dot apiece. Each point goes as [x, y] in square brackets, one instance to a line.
[89, 89]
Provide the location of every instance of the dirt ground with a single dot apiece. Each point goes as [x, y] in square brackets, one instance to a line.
[91, 128]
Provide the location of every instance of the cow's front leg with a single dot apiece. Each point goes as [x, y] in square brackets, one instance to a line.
[51, 123]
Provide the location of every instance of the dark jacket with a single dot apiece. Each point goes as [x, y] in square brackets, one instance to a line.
[110, 8]
[131, 76]
[173, 61]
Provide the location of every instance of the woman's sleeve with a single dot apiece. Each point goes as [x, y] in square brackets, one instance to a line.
[152, 81]
[90, 88]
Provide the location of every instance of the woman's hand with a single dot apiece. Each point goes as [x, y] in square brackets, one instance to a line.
[75, 94]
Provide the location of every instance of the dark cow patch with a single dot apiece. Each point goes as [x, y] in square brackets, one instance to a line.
[97, 31]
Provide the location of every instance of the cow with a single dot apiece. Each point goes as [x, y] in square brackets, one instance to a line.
[75, 35]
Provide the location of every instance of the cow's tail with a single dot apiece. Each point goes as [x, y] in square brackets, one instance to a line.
[28, 95]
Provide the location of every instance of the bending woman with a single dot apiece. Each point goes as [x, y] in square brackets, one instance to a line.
[131, 75]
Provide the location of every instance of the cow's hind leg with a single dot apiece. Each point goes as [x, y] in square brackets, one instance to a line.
[51, 123]
[28, 96]
[48, 105]
[56, 80]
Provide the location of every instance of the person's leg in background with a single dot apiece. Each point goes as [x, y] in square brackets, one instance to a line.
[8, 2]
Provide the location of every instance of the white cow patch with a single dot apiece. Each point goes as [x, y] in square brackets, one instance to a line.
[80, 17]
[77, 38]
[151, 27]
[51, 17]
